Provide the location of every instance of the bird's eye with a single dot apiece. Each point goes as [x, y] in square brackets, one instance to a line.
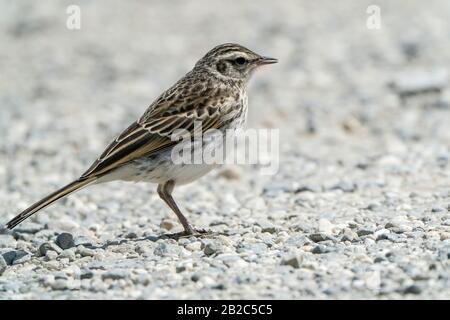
[240, 60]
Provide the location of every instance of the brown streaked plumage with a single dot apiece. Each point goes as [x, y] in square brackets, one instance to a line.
[213, 92]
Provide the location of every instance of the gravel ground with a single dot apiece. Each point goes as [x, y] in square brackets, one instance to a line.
[360, 207]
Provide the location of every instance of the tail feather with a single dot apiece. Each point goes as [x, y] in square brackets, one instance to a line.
[41, 204]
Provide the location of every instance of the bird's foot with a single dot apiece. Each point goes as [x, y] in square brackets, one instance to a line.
[192, 232]
[196, 232]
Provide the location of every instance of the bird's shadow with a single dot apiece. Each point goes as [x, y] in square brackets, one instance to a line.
[175, 236]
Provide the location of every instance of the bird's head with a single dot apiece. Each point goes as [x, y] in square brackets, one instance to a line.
[233, 61]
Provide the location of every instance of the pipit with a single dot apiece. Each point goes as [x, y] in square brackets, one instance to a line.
[213, 93]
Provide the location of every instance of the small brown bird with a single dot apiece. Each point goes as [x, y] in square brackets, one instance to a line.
[214, 93]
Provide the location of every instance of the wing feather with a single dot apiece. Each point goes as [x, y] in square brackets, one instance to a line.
[153, 131]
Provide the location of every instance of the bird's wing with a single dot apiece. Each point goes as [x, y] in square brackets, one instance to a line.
[153, 131]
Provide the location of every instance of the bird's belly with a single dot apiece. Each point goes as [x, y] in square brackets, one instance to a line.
[159, 169]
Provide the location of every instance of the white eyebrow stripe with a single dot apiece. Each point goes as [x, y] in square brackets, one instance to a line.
[234, 55]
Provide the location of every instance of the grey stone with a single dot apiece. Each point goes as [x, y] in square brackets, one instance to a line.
[268, 227]
[3, 265]
[318, 237]
[345, 186]
[349, 235]
[390, 225]
[195, 277]
[131, 235]
[65, 240]
[309, 187]
[11, 257]
[21, 257]
[420, 82]
[364, 232]
[194, 246]
[69, 254]
[180, 269]
[115, 274]
[61, 284]
[46, 246]
[167, 224]
[85, 252]
[373, 206]
[413, 289]
[86, 274]
[166, 249]
[257, 248]
[82, 240]
[297, 240]
[293, 261]
[275, 188]
[51, 255]
[319, 249]
[211, 248]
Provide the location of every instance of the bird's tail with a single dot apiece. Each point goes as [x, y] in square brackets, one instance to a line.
[41, 204]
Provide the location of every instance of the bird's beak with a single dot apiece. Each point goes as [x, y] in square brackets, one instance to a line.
[266, 60]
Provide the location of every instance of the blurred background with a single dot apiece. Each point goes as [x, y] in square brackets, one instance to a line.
[337, 91]
[361, 110]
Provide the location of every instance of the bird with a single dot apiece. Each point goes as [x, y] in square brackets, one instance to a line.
[213, 93]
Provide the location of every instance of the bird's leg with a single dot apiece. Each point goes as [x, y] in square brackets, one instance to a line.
[165, 193]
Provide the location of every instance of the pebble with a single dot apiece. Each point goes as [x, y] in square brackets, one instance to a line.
[82, 240]
[167, 225]
[11, 257]
[364, 232]
[349, 235]
[165, 249]
[179, 269]
[194, 246]
[60, 284]
[230, 173]
[345, 186]
[21, 257]
[319, 249]
[420, 81]
[65, 240]
[86, 274]
[51, 255]
[413, 289]
[315, 188]
[381, 234]
[268, 227]
[211, 248]
[3, 265]
[46, 246]
[115, 274]
[131, 235]
[252, 248]
[85, 252]
[318, 237]
[69, 254]
[293, 261]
